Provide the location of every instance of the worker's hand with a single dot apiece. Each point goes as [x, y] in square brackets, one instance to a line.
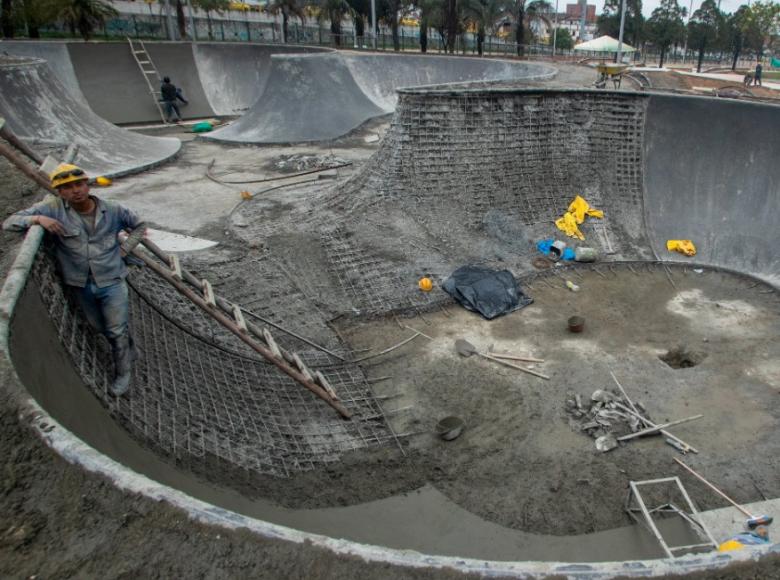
[50, 225]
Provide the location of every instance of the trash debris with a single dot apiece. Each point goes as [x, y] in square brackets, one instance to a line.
[373, 138]
[245, 195]
[570, 221]
[301, 162]
[425, 284]
[583, 254]
[202, 127]
[603, 417]
[572, 286]
[489, 292]
[698, 270]
[757, 537]
[682, 246]
[545, 247]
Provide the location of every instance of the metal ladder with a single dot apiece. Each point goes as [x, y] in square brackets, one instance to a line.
[145, 63]
[692, 517]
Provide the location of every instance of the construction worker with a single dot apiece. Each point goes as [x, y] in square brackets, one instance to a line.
[84, 229]
[756, 537]
[169, 95]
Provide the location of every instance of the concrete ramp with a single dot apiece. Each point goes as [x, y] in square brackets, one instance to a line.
[309, 98]
[42, 112]
[234, 76]
[324, 96]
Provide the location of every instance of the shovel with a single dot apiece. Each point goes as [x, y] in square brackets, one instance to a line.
[465, 348]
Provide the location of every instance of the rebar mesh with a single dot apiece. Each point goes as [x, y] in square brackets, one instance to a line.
[195, 400]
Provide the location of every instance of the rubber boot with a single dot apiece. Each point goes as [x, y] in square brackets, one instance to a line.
[121, 350]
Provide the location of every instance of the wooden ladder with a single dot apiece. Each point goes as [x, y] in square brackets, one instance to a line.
[230, 316]
[144, 61]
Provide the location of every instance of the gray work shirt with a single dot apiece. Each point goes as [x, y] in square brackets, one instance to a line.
[83, 251]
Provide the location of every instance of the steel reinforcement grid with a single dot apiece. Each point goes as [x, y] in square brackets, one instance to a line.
[200, 400]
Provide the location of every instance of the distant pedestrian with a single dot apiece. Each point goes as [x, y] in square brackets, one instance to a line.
[757, 75]
[169, 95]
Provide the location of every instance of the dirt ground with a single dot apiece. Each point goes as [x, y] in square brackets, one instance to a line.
[59, 522]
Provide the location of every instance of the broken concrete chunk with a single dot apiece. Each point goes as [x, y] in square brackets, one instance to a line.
[602, 396]
[606, 443]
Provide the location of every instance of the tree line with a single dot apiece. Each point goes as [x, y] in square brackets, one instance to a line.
[752, 28]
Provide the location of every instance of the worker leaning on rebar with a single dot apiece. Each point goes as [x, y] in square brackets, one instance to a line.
[84, 229]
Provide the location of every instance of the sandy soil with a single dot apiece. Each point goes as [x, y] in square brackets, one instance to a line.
[59, 522]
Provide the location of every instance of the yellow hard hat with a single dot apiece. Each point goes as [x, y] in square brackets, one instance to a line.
[103, 181]
[425, 284]
[67, 173]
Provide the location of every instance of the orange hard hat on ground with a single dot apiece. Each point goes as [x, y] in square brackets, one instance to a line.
[425, 284]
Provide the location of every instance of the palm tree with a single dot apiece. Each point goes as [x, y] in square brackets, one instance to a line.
[85, 15]
[703, 28]
[484, 14]
[335, 11]
[287, 8]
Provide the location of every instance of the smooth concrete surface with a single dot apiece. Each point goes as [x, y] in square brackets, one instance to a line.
[233, 76]
[309, 98]
[56, 56]
[40, 110]
[712, 175]
[324, 96]
[115, 87]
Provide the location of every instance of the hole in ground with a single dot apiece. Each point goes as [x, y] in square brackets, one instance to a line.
[682, 358]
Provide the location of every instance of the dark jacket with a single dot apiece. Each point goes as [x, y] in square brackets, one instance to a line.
[168, 91]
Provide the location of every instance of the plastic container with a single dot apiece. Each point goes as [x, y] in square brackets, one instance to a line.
[585, 255]
[572, 286]
[450, 428]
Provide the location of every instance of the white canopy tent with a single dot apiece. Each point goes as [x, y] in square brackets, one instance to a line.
[603, 44]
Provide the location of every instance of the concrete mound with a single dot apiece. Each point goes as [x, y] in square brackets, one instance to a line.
[47, 116]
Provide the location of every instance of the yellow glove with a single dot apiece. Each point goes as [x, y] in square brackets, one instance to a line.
[683, 246]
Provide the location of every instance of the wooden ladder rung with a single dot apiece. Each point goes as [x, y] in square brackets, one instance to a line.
[208, 293]
[325, 384]
[269, 339]
[302, 367]
[175, 266]
[239, 318]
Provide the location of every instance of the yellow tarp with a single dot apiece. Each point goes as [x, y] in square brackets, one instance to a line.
[683, 246]
[578, 209]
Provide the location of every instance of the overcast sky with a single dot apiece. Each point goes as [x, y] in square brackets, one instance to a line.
[649, 5]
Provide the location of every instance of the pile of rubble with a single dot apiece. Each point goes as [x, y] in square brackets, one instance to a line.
[611, 418]
[301, 162]
[605, 417]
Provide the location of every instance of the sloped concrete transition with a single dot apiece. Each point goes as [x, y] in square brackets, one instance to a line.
[465, 173]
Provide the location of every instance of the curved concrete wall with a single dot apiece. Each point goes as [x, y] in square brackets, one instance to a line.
[42, 112]
[712, 171]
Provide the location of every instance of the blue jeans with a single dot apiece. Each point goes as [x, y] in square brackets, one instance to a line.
[106, 308]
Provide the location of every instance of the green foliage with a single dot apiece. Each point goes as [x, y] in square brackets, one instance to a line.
[761, 21]
[609, 21]
[287, 8]
[211, 5]
[665, 26]
[84, 16]
[704, 28]
[483, 15]
[564, 39]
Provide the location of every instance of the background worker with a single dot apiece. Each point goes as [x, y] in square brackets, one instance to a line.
[169, 95]
[84, 229]
[757, 74]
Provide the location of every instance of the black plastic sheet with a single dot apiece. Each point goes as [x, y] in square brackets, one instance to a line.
[489, 292]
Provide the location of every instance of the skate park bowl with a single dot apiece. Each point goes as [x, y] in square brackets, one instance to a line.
[466, 174]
